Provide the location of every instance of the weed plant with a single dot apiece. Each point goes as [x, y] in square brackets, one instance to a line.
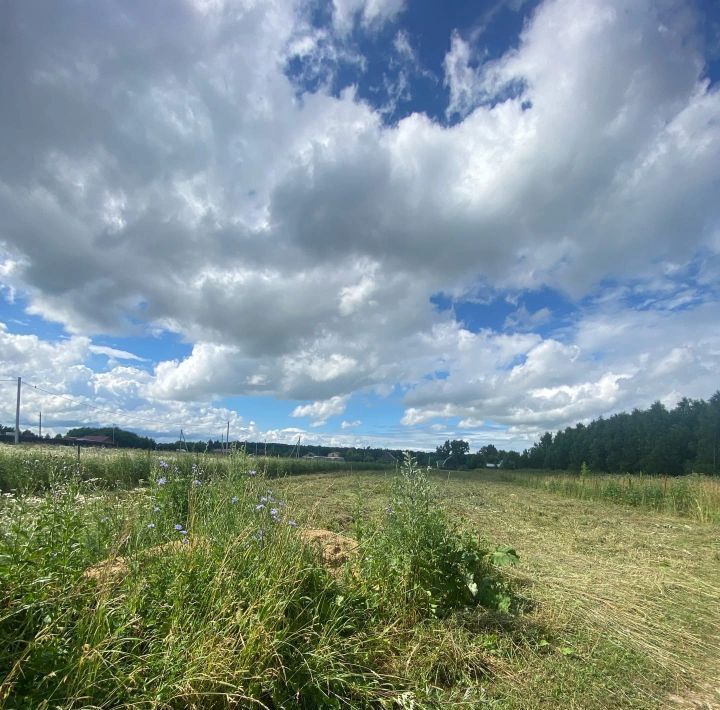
[417, 557]
[198, 591]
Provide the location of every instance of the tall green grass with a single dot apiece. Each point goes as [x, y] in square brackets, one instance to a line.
[694, 496]
[199, 591]
[33, 468]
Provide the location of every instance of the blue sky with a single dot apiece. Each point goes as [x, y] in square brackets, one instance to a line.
[360, 222]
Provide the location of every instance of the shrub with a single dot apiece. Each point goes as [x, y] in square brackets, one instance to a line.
[416, 558]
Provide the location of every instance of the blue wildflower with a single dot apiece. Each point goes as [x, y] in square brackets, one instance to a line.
[197, 483]
[274, 512]
[163, 464]
[252, 472]
[178, 527]
[185, 541]
[260, 506]
[151, 526]
[234, 500]
[161, 481]
[156, 509]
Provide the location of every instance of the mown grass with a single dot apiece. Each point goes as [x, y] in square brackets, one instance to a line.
[623, 605]
[694, 496]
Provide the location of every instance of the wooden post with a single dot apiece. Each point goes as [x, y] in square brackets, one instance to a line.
[17, 413]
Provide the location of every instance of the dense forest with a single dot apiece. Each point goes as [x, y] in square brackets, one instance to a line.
[655, 440]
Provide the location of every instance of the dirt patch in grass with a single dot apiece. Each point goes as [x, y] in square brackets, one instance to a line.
[335, 549]
[112, 569]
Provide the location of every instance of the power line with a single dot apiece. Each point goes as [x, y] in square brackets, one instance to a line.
[84, 403]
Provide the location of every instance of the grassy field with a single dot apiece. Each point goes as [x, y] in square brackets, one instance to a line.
[624, 605]
[31, 468]
[611, 605]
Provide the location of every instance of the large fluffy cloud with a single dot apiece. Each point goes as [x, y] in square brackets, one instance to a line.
[160, 169]
[612, 360]
[59, 382]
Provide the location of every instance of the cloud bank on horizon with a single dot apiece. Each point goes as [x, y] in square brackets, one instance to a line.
[362, 222]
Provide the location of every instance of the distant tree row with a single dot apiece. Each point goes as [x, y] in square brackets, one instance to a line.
[656, 440]
[121, 437]
[7, 433]
[456, 454]
[261, 448]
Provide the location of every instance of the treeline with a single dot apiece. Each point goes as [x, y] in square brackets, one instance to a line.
[122, 438]
[655, 440]
[274, 450]
[456, 454]
[118, 437]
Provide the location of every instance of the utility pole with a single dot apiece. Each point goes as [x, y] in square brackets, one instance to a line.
[227, 438]
[17, 413]
[40, 427]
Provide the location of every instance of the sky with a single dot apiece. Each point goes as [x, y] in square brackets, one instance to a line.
[358, 222]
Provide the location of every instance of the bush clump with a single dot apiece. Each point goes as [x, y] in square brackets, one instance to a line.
[417, 558]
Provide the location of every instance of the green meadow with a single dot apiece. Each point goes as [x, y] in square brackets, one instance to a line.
[190, 581]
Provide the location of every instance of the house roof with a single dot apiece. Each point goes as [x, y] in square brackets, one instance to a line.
[93, 439]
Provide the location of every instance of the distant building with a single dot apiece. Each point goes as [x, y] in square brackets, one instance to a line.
[92, 440]
[333, 456]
